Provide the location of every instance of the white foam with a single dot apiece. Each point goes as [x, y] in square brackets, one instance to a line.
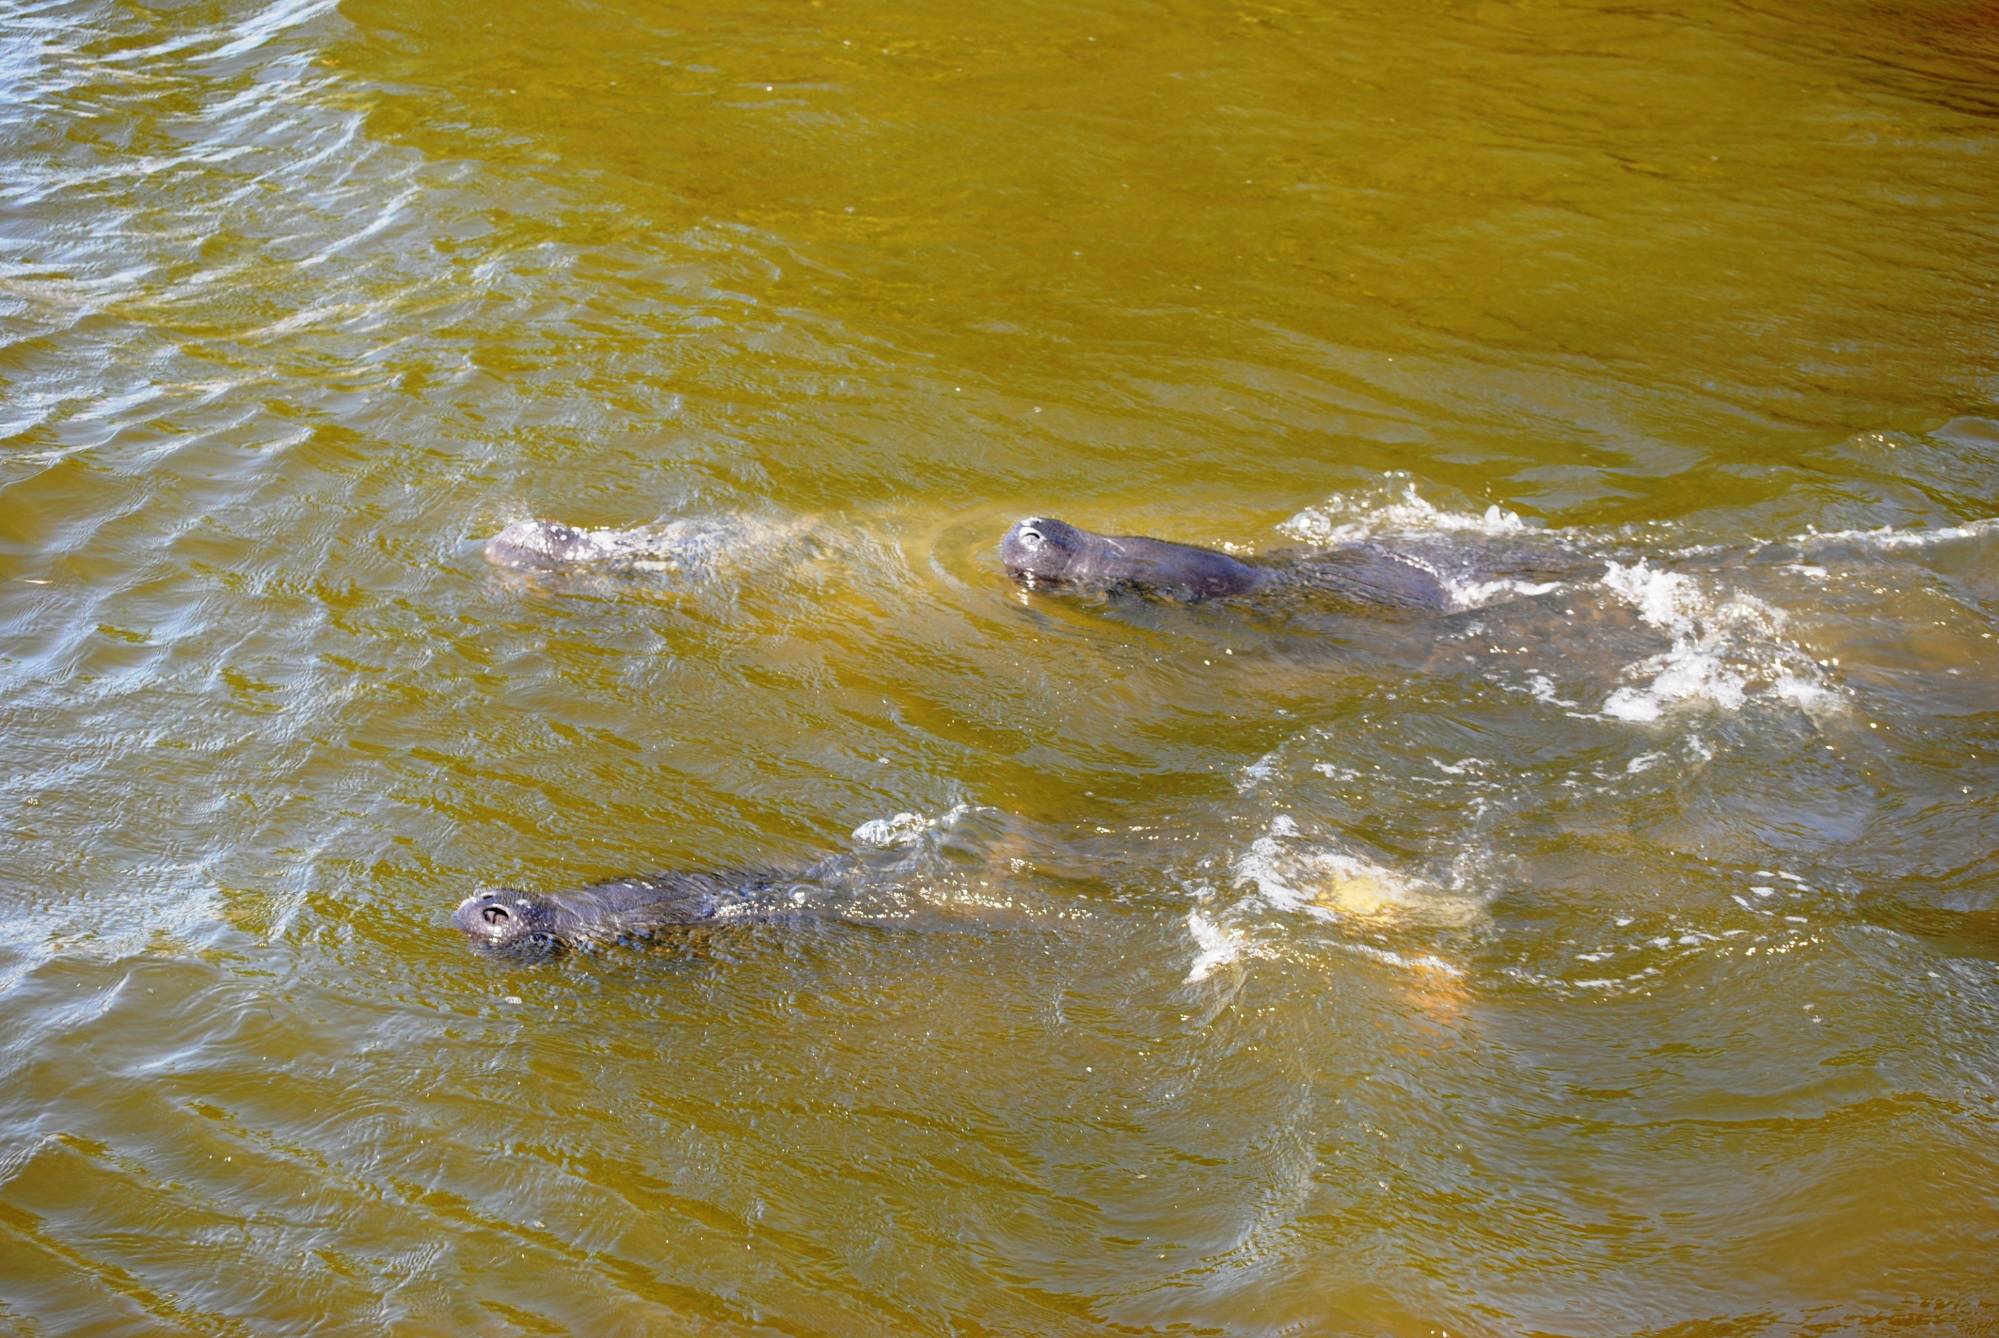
[1723, 648]
[1465, 595]
[1291, 875]
[1668, 600]
[904, 828]
[1257, 772]
[1889, 537]
[1349, 518]
[1542, 689]
[1218, 946]
[885, 833]
[1811, 698]
[1345, 519]
[1317, 881]
[1611, 983]
[1683, 674]
[1390, 957]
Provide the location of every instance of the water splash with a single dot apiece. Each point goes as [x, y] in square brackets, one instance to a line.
[1347, 518]
[1725, 648]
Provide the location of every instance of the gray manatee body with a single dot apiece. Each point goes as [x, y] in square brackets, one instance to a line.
[684, 545]
[1040, 552]
[506, 920]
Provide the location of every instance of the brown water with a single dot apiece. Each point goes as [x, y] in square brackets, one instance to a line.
[1620, 956]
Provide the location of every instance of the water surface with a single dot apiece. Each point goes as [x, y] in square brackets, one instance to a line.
[1618, 953]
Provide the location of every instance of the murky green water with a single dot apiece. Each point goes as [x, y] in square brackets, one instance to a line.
[1622, 957]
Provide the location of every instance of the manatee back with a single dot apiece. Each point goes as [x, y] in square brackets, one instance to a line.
[1164, 567]
[1364, 574]
[686, 544]
[643, 902]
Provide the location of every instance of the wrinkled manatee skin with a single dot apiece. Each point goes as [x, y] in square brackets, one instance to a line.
[508, 921]
[1044, 552]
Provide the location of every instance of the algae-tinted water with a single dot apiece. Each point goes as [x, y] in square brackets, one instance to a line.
[1616, 954]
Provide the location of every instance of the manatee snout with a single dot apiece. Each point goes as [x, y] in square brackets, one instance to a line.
[533, 545]
[506, 920]
[1040, 549]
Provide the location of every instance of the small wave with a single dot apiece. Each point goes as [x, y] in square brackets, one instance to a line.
[1466, 595]
[1724, 649]
[1344, 518]
[1465, 592]
[1681, 675]
[903, 829]
[1432, 539]
[1218, 946]
[961, 825]
[969, 866]
[1319, 880]
[1756, 914]
[1389, 957]
[1889, 538]
[1288, 874]
[249, 35]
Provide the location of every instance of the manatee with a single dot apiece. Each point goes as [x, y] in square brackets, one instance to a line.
[1040, 552]
[684, 545]
[535, 545]
[509, 921]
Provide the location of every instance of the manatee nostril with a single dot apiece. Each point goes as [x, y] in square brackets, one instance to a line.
[495, 914]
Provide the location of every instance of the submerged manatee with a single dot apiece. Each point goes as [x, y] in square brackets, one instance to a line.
[685, 545]
[1041, 552]
[506, 920]
[532, 545]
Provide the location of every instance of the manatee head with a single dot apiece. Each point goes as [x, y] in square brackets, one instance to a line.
[1041, 551]
[532, 545]
[503, 919]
